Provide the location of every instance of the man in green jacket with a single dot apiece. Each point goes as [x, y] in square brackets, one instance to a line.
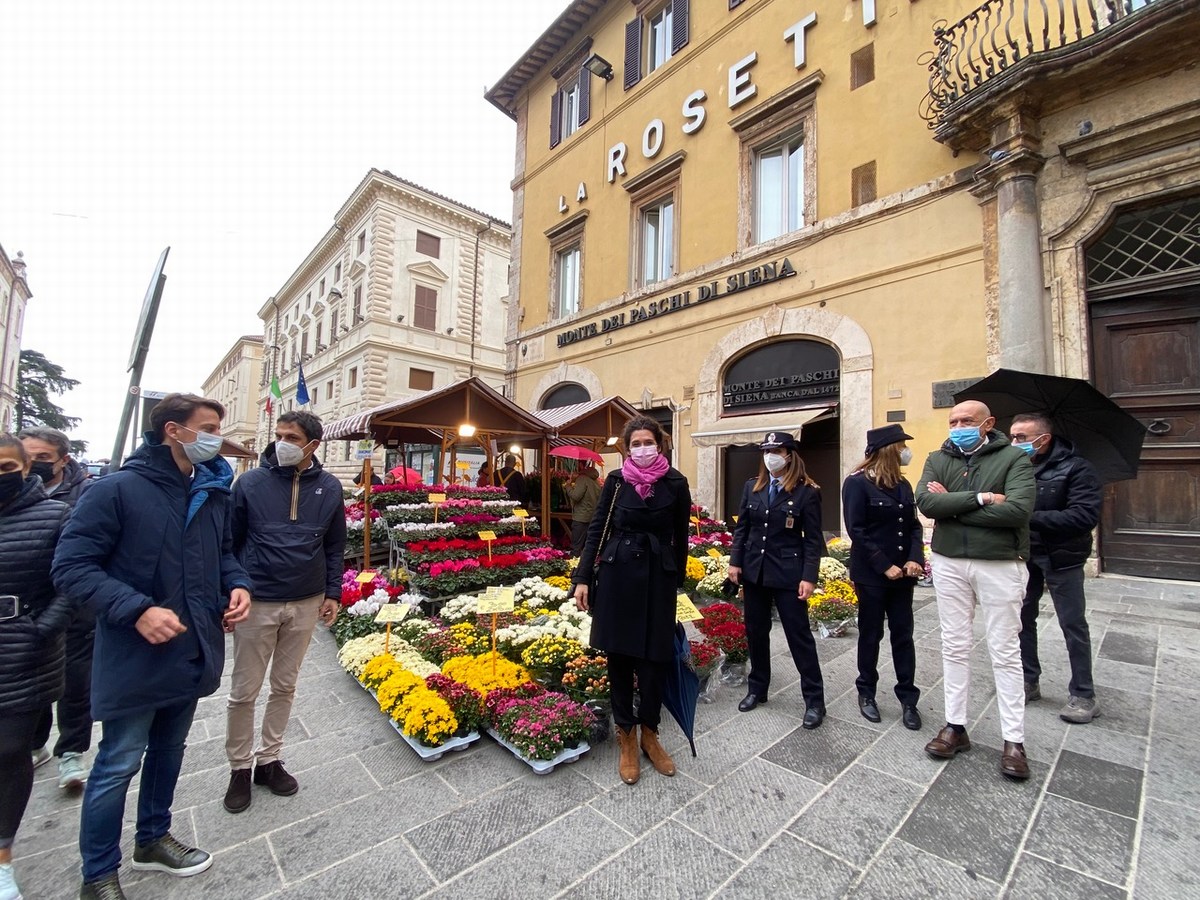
[583, 491]
[980, 491]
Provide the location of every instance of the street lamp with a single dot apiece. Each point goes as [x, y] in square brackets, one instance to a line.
[598, 65]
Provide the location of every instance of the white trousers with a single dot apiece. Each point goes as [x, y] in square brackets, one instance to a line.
[999, 586]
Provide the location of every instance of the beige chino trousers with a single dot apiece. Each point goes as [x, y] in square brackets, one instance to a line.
[276, 633]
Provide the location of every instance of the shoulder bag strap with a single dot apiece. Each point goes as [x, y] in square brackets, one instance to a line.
[607, 522]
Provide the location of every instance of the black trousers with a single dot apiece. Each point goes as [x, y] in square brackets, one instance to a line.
[75, 705]
[893, 601]
[651, 675]
[16, 784]
[1066, 590]
[793, 616]
[579, 532]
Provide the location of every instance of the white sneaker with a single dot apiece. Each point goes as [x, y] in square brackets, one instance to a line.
[72, 773]
[8, 883]
[41, 756]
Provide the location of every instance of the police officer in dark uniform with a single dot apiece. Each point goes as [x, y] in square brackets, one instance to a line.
[776, 555]
[886, 557]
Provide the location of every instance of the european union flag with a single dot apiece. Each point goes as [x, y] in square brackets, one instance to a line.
[301, 388]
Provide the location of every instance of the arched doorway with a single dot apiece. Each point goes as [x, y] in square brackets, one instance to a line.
[565, 395]
[791, 384]
[1143, 293]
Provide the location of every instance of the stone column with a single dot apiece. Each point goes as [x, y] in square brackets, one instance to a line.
[1024, 326]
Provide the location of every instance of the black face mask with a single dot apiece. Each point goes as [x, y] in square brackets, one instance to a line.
[43, 470]
[10, 485]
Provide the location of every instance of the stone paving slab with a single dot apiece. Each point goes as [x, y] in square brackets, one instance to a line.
[766, 809]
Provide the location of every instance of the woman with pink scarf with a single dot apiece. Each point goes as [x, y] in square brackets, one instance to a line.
[634, 560]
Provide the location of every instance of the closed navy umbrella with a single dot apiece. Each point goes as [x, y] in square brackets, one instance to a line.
[682, 687]
[1103, 433]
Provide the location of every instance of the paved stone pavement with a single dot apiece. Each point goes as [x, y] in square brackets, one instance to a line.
[766, 809]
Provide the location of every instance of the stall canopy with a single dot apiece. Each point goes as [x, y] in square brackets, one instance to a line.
[736, 430]
[590, 424]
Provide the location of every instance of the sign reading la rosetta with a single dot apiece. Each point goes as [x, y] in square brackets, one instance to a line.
[735, 283]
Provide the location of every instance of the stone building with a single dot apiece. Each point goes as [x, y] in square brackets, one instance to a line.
[14, 297]
[235, 384]
[406, 292]
[756, 216]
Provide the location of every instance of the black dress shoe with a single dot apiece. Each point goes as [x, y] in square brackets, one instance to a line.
[911, 718]
[869, 709]
[751, 700]
[813, 717]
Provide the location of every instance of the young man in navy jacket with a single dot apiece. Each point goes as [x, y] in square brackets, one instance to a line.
[149, 549]
[289, 531]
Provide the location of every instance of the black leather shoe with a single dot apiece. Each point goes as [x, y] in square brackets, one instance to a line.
[276, 777]
[751, 700]
[813, 717]
[911, 718]
[869, 708]
[237, 796]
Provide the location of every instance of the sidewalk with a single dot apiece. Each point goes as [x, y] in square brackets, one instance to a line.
[766, 809]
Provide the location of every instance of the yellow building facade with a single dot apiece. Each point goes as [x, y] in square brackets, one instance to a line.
[761, 215]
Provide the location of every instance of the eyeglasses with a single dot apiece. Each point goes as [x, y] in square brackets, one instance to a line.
[1023, 438]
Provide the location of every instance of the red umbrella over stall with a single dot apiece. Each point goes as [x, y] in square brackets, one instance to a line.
[405, 476]
[573, 451]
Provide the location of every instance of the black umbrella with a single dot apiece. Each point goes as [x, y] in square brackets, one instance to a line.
[682, 687]
[1103, 433]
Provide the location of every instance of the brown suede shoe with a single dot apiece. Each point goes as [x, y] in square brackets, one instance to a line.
[659, 758]
[1012, 761]
[629, 766]
[948, 744]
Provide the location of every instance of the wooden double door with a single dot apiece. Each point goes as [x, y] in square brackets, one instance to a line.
[1146, 356]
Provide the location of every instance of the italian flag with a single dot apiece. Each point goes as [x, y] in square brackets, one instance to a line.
[275, 393]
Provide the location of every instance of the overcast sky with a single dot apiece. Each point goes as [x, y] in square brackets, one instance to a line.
[232, 132]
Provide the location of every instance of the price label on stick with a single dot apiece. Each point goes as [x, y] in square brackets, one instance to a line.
[365, 576]
[714, 552]
[685, 609]
[437, 498]
[487, 535]
[521, 513]
[504, 600]
[392, 612]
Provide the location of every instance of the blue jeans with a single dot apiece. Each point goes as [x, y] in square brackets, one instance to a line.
[159, 735]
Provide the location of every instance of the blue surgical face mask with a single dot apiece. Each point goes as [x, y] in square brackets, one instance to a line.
[965, 438]
[1027, 446]
[203, 448]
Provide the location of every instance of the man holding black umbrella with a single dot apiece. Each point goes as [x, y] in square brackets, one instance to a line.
[1067, 509]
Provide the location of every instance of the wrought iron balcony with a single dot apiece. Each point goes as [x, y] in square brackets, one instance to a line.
[1002, 33]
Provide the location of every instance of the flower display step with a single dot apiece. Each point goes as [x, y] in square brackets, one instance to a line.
[542, 766]
[429, 754]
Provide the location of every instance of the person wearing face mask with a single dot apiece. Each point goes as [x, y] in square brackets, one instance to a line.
[150, 548]
[629, 574]
[33, 622]
[65, 480]
[1069, 498]
[886, 558]
[775, 556]
[979, 490]
[289, 532]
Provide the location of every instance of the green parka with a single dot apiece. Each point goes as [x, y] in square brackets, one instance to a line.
[964, 529]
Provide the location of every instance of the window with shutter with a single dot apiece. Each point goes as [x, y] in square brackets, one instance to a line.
[585, 96]
[420, 380]
[429, 244]
[633, 52]
[425, 308]
[556, 119]
[680, 30]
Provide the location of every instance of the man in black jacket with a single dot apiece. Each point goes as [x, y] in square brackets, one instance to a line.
[64, 479]
[289, 530]
[1069, 497]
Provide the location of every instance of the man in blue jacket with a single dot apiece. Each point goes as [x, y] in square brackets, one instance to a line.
[149, 549]
[289, 531]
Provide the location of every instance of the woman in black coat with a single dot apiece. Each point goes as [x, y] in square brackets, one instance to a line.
[886, 559]
[776, 556]
[635, 558]
[33, 622]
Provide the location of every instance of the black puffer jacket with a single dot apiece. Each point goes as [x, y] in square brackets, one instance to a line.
[31, 645]
[1069, 497]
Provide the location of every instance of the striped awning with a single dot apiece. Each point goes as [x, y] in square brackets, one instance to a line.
[587, 423]
[735, 430]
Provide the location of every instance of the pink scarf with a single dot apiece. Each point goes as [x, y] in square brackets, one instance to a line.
[643, 479]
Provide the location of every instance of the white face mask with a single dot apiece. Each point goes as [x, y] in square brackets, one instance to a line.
[203, 448]
[905, 456]
[287, 454]
[774, 462]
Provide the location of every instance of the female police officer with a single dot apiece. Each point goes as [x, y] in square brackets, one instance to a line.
[776, 554]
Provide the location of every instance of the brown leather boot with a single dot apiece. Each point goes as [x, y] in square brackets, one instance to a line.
[659, 758]
[629, 766]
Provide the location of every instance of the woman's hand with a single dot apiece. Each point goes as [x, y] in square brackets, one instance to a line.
[914, 569]
[581, 597]
[806, 589]
[735, 574]
[894, 572]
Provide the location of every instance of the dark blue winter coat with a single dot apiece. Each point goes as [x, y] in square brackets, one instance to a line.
[289, 530]
[150, 536]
